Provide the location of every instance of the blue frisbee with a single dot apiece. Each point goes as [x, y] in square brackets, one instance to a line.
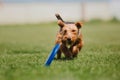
[52, 55]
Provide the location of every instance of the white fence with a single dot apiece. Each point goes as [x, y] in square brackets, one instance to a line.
[44, 12]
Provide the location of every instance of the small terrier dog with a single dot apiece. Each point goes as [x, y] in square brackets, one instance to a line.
[69, 37]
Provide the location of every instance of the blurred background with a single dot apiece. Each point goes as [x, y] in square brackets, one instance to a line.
[36, 11]
[28, 30]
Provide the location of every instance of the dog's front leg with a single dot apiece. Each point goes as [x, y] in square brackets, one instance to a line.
[76, 48]
[75, 51]
[66, 52]
[59, 54]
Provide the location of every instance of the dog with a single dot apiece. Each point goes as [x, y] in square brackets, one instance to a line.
[69, 37]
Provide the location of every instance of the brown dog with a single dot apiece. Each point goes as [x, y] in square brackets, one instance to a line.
[69, 37]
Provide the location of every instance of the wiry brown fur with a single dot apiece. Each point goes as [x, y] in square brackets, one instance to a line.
[70, 39]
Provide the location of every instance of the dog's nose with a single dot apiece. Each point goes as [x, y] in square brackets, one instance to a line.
[69, 39]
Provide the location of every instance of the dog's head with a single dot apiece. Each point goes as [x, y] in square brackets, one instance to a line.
[69, 31]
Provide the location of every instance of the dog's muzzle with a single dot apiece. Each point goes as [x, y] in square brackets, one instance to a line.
[69, 41]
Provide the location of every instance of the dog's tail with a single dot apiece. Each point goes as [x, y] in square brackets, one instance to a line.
[59, 17]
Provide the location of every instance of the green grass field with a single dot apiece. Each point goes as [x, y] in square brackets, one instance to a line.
[24, 49]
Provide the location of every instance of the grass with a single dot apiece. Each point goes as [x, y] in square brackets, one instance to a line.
[24, 49]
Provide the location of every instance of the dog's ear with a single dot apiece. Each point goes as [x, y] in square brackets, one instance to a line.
[79, 24]
[61, 23]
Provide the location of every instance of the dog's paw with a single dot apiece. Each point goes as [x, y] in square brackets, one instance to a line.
[57, 58]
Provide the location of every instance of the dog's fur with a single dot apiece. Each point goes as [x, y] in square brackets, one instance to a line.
[69, 37]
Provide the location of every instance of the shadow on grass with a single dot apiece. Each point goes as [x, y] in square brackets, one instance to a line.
[64, 59]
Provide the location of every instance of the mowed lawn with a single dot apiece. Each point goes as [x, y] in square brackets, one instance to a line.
[25, 48]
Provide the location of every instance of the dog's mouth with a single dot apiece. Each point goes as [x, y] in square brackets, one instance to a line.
[69, 42]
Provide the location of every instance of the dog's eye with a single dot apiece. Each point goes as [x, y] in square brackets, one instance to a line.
[73, 30]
